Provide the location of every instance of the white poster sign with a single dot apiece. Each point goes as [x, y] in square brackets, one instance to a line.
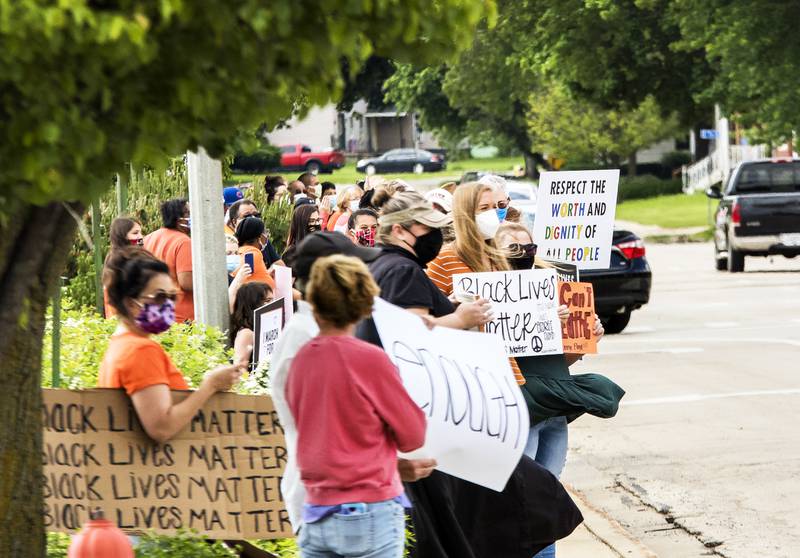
[575, 217]
[268, 322]
[525, 305]
[477, 417]
[283, 289]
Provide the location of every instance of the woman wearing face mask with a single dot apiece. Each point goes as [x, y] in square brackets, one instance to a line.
[249, 234]
[554, 396]
[142, 292]
[347, 203]
[454, 517]
[362, 226]
[305, 220]
[124, 232]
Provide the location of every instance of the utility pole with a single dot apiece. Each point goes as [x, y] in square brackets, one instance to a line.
[209, 272]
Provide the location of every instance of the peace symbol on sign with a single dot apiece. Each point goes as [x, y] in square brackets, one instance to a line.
[536, 344]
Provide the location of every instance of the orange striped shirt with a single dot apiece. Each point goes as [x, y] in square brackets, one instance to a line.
[441, 270]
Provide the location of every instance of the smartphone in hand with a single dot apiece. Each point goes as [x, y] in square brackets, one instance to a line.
[250, 260]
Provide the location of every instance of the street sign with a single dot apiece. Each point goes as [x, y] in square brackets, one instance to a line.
[709, 134]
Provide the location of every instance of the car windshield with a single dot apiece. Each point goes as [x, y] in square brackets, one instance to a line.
[772, 178]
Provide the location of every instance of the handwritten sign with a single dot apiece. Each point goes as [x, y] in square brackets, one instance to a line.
[477, 417]
[575, 216]
[577, 334]
[525, 305]
[220, 475]
[268, 322]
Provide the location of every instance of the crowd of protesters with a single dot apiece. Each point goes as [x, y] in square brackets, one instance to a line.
[342, 406]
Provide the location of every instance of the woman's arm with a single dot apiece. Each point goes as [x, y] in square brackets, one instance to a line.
[162, 419]
[243, 273]
[243, 346]
[467, 316]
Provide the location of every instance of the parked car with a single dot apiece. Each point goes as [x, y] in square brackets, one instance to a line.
[300, 157]
[402, 160]
[758, 213]
[621, 288]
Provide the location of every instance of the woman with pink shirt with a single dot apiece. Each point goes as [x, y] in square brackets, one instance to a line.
[352, 416]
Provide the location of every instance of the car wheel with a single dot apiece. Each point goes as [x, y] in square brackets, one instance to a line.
[370, 170]
[735, 260]
[313, 166]
[616, 322]
[418, 168]
[720, 262]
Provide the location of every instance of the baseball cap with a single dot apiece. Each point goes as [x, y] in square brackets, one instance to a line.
[419, 210]
[325, 243]
[305, 200]
[442, 198]
[231, 195]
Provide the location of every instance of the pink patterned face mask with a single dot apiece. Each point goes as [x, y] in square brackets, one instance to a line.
[366, 237]
[156, 318]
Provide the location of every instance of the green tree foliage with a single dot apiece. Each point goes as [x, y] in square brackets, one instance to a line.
[617, 53]
[578, 130]
[755, 50]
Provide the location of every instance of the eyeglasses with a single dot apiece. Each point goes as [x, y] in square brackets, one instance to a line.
[161, 297]
[517, 250]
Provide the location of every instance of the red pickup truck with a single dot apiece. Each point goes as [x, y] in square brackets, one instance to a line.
[301, 157]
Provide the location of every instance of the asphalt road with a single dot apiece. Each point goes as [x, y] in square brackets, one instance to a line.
[703, 457]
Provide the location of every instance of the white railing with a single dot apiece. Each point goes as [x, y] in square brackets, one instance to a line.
[715, 168]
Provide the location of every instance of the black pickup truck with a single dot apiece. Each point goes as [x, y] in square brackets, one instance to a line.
[758, 213]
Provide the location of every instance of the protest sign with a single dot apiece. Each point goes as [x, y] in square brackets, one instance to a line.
[565, 272]
[283, 289]
[525, 305]
[577, 334]
[575, 216]
[477, 417]
[268, 322]
[220, 475]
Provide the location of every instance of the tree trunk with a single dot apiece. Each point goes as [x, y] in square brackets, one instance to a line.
[34, 243]
[632, 165]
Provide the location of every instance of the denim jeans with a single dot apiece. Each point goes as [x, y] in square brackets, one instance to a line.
[547, 445]
[377, 533]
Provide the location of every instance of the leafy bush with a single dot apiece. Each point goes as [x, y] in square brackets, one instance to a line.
[57, 545]
[646, 186]
[676, 159]
[285, 548]
[182, 545]
[263, 159]
[195, 349]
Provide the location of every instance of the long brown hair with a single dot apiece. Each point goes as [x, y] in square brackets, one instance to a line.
[249, 298]
[469, 245]
[118, 233]
[299, 229]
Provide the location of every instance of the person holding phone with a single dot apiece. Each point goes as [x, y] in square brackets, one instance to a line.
[143, 294]
[249, 235]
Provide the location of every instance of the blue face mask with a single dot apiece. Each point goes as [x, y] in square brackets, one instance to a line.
[501, 213]
[232, 261]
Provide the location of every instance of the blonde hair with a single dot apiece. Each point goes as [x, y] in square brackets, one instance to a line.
[398, 202]
[508, 229]
[345, 196]
[341, 290]
[469, 244]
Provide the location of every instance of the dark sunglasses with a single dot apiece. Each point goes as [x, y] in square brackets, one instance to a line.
[161, 297]
[522, 250]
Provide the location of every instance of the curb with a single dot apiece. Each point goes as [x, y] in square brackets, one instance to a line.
[607, 530]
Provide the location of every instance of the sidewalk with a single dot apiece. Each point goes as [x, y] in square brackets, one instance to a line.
[599, 536]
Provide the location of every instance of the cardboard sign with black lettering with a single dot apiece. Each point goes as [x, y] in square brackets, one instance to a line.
[525, 305]
[578, 334]
[220, 475]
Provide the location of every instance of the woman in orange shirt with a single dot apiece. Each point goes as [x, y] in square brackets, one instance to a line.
[249, 234]
[142, 292]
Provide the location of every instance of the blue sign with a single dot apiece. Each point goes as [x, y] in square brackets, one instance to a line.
[709, 134]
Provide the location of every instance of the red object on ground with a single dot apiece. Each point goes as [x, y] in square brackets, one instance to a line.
[100, 538]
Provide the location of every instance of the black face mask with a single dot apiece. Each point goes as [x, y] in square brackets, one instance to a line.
[427, 246]
[520, 256]
[314, 228]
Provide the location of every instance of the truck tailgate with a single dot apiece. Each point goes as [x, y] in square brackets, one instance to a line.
[769, 214]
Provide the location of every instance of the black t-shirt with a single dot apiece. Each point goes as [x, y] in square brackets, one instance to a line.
[403, 283]
[270, 254]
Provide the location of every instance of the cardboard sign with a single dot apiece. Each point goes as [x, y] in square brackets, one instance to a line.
[220, 475]
[566, 272]
[577, 334]
[283, 289]
[575, 217]
[525, 305]
[477, 417]
[268, 322]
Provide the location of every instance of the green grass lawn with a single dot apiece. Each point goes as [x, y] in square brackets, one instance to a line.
[675, 211]
[348, 174]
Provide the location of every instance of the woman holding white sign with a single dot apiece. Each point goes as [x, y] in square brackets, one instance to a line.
[553, 395]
